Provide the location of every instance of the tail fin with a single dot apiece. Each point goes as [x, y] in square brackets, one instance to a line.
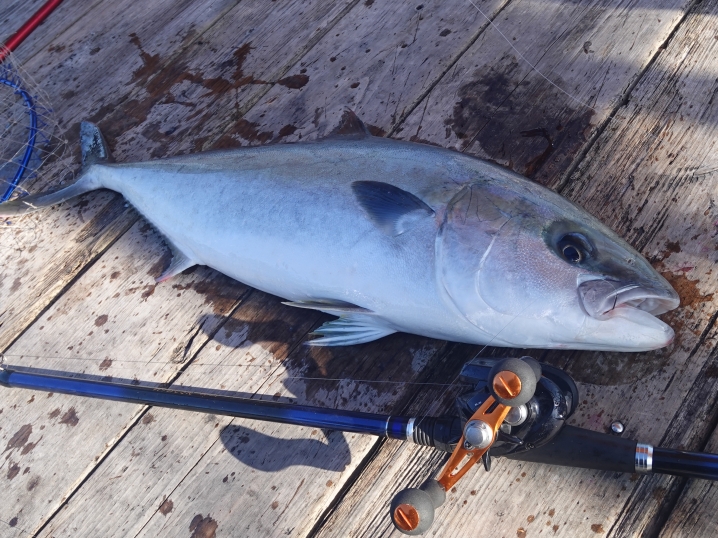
[94, 151]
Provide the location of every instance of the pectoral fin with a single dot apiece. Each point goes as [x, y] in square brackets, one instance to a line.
[392, 209]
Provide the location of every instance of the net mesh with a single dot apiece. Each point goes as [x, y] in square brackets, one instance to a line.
[30, 138]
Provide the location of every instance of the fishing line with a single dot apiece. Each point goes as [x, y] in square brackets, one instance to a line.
[222, 365]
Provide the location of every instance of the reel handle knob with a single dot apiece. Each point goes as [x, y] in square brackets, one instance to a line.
[512, 382]
[412, 509]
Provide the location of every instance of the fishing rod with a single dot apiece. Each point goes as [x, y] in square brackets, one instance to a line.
[516, 408]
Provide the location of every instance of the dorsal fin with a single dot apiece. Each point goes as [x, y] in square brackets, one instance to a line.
[93, 145]
[350, 126]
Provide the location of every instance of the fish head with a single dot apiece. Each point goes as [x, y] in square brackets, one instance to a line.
[530, 269]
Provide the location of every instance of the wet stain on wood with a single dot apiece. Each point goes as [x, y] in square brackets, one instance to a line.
[166, 507]
[105, 364]
[294, 82]
[687, 289]
[203, 527]
[13, 470]
[487, 112]
[70, 417]
[610, 368]
[19, 438]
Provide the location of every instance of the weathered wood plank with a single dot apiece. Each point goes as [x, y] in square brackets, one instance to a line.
[128, 327]
[44, 252]
[262, 478]
[494, 105]
[623, 386]
[380, 62]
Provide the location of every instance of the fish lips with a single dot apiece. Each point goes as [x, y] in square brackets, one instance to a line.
[604, 298]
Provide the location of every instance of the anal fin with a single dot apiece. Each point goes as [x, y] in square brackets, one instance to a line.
[350, 330]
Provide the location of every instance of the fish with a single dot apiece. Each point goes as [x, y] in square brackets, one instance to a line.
[391, 236]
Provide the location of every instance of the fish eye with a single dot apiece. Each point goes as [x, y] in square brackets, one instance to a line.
[572, 254]
[574, 248]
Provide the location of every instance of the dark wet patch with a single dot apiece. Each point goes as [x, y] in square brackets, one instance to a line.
[221, 292]
[203, 527]
[101, 320]
[287, 130]
[537, 162]
[19, 438]
[597, 528]
[15, 285]
[70, 417]
[29, 447]
[658, 493]
[494, 110]
[375, 131]
[445, 32]
[148, 291]
[246, 130]
[166, 507]
[13, 470]
[13, 522]
[150, 63]
[611, 368]
[161, 264]
[32, 484]
[294, 82]
[114, 275]
[148, 419]
[54, 413]
[105, 364]
[687, 289]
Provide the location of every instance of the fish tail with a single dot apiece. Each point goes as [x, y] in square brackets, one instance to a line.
[94, 151]
[29, 204]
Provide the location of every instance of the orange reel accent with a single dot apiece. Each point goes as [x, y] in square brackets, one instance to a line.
[406, 517]
[452, 473]
[507, 384]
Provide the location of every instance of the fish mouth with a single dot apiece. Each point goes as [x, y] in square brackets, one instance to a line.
[603, 298]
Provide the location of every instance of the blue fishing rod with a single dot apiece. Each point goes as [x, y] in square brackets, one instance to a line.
[516, 409]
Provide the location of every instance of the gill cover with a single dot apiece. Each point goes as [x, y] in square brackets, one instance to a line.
[471, 224]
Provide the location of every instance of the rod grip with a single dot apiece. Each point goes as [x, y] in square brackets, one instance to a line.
[578, 447]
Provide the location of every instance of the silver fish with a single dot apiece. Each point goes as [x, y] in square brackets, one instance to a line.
[393, 236]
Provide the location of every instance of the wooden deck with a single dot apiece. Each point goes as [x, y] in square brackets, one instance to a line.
[620, 115]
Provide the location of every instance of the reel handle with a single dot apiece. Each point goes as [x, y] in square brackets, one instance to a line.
[512, 382]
